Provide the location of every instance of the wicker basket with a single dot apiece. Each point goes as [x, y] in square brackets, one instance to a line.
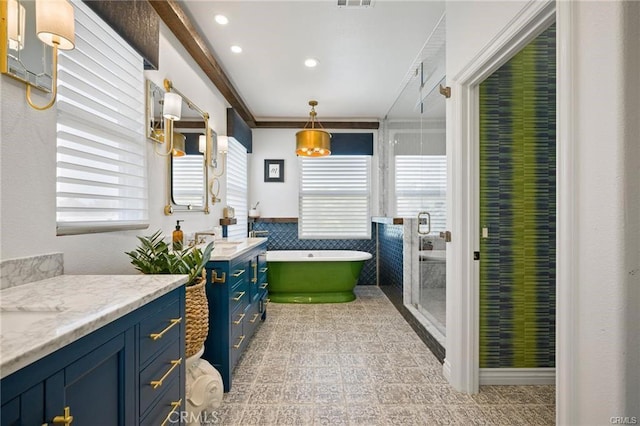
[197, 318]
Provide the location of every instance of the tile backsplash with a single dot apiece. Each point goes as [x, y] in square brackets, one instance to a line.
[14, 272]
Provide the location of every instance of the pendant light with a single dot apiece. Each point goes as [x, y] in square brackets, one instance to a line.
[313, 142]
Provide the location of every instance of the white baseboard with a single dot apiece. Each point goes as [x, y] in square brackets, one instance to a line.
[517, 376]
[446, 370]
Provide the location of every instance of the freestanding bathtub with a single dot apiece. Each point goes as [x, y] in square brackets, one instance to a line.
[323, 276]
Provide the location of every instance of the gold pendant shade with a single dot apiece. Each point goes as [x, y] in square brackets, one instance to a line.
[313, 142]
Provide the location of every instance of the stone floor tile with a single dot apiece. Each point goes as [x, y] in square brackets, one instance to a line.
[295, 415]
[262, 415]
[330, 415]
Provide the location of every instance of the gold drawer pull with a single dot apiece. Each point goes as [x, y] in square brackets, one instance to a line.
[221, 279]
[174, 363]
[254, 280]
[265, 285]
[239, 296]
[255, 317]
[263, 270]
[239, 320]
[238, 273]
[237, 345]
[175, 405]
[65, 419]
[174, 321]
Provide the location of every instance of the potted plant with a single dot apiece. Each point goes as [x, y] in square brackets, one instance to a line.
[154, 256]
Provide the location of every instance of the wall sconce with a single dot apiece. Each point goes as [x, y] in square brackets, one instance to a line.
[172, 106]
[55, 26]
[223, 149]
[223, 144]
[178, 149]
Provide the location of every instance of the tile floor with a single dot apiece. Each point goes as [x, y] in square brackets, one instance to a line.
[360, 363]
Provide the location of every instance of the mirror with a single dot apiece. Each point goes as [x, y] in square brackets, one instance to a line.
[22, 55]
[191, 142]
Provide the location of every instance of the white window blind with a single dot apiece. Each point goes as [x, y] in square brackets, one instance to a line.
[101, 164]
[237, 192]
[335, 197]
[188, 180]
[421, 185]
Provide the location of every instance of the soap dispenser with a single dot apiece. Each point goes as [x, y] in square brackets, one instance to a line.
[178, 236]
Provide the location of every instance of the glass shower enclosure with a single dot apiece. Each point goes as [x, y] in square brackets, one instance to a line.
[415, 129]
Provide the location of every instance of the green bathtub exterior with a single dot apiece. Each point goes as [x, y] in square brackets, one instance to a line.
[313, 282]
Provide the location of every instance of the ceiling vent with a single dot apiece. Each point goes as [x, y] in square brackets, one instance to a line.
[355, 3]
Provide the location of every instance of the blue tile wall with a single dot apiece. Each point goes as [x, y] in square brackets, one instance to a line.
[390, 246]
[284, 236]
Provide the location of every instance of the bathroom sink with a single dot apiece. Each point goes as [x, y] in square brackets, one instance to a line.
[228, 243]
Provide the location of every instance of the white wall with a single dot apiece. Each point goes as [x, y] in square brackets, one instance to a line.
[281, 199]
[28, 172]
[605, 372]
[471, 25]
[607, 194]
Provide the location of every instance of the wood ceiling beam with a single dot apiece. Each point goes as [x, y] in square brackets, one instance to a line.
[179, 23]
[369, 125]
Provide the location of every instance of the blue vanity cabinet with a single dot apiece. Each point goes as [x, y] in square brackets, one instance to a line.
[236, 304]
[100, 376]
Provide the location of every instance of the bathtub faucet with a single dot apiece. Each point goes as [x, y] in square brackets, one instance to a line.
[254, 234]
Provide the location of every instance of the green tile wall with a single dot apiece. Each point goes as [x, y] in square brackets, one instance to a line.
[517, 204]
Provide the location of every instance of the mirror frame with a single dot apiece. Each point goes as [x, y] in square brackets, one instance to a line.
[32, 42]
[168, 126]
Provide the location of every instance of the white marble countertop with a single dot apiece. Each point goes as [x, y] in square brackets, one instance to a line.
[40, 317]
[230, 249]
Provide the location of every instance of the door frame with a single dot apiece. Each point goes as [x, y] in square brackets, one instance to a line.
[461, 366]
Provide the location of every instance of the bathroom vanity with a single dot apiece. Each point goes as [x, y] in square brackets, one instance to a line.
[105, 350]
[237, 295]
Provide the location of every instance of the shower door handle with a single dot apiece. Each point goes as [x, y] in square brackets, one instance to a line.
[421, 215]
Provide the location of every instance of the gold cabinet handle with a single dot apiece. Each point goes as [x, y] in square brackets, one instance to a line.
[255, 273]
[239, 296]
[238, 273]
[265, 285]
[65, 419]
[237, 345]
[255, 317]
[174, 363]
[219, 279]
[174, 321]
[239, 320]
[175, 405]
[263, 270]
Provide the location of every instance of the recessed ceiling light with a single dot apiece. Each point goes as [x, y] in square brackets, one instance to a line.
[236, 49]
[311, 62]
[221, 19]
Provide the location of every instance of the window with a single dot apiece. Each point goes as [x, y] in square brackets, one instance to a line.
[101, 163]
[421, 185]
[335, 197]
[237, 192]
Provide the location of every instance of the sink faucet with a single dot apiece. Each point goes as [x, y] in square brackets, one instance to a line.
[254, 234]
[196, 237]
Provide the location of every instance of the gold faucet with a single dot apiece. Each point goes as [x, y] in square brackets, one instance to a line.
[196, 240]
[254, 234]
